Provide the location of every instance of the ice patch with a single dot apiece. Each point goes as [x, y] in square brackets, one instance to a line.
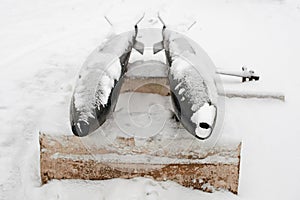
[177, 86]
[181, 91]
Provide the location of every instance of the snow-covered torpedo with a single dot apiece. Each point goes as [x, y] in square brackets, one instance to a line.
[99, 82]
[191, 74]
[191, 78]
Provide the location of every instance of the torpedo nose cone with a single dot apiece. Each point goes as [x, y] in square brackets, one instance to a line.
[80, 128]
[204, 118]
[203, 131]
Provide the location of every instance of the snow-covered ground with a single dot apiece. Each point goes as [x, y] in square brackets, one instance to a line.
[44, 43]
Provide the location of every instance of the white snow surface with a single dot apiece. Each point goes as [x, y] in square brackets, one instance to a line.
[44, 43]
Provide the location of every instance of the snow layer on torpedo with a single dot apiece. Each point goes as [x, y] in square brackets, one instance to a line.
[198, 75]
[98, 74]
[191, 84]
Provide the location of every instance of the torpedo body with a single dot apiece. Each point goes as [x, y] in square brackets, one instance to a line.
[99, 83]
[193, 89]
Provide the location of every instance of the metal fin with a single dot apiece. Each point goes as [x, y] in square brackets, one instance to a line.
[157, 47]
[139, 46]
